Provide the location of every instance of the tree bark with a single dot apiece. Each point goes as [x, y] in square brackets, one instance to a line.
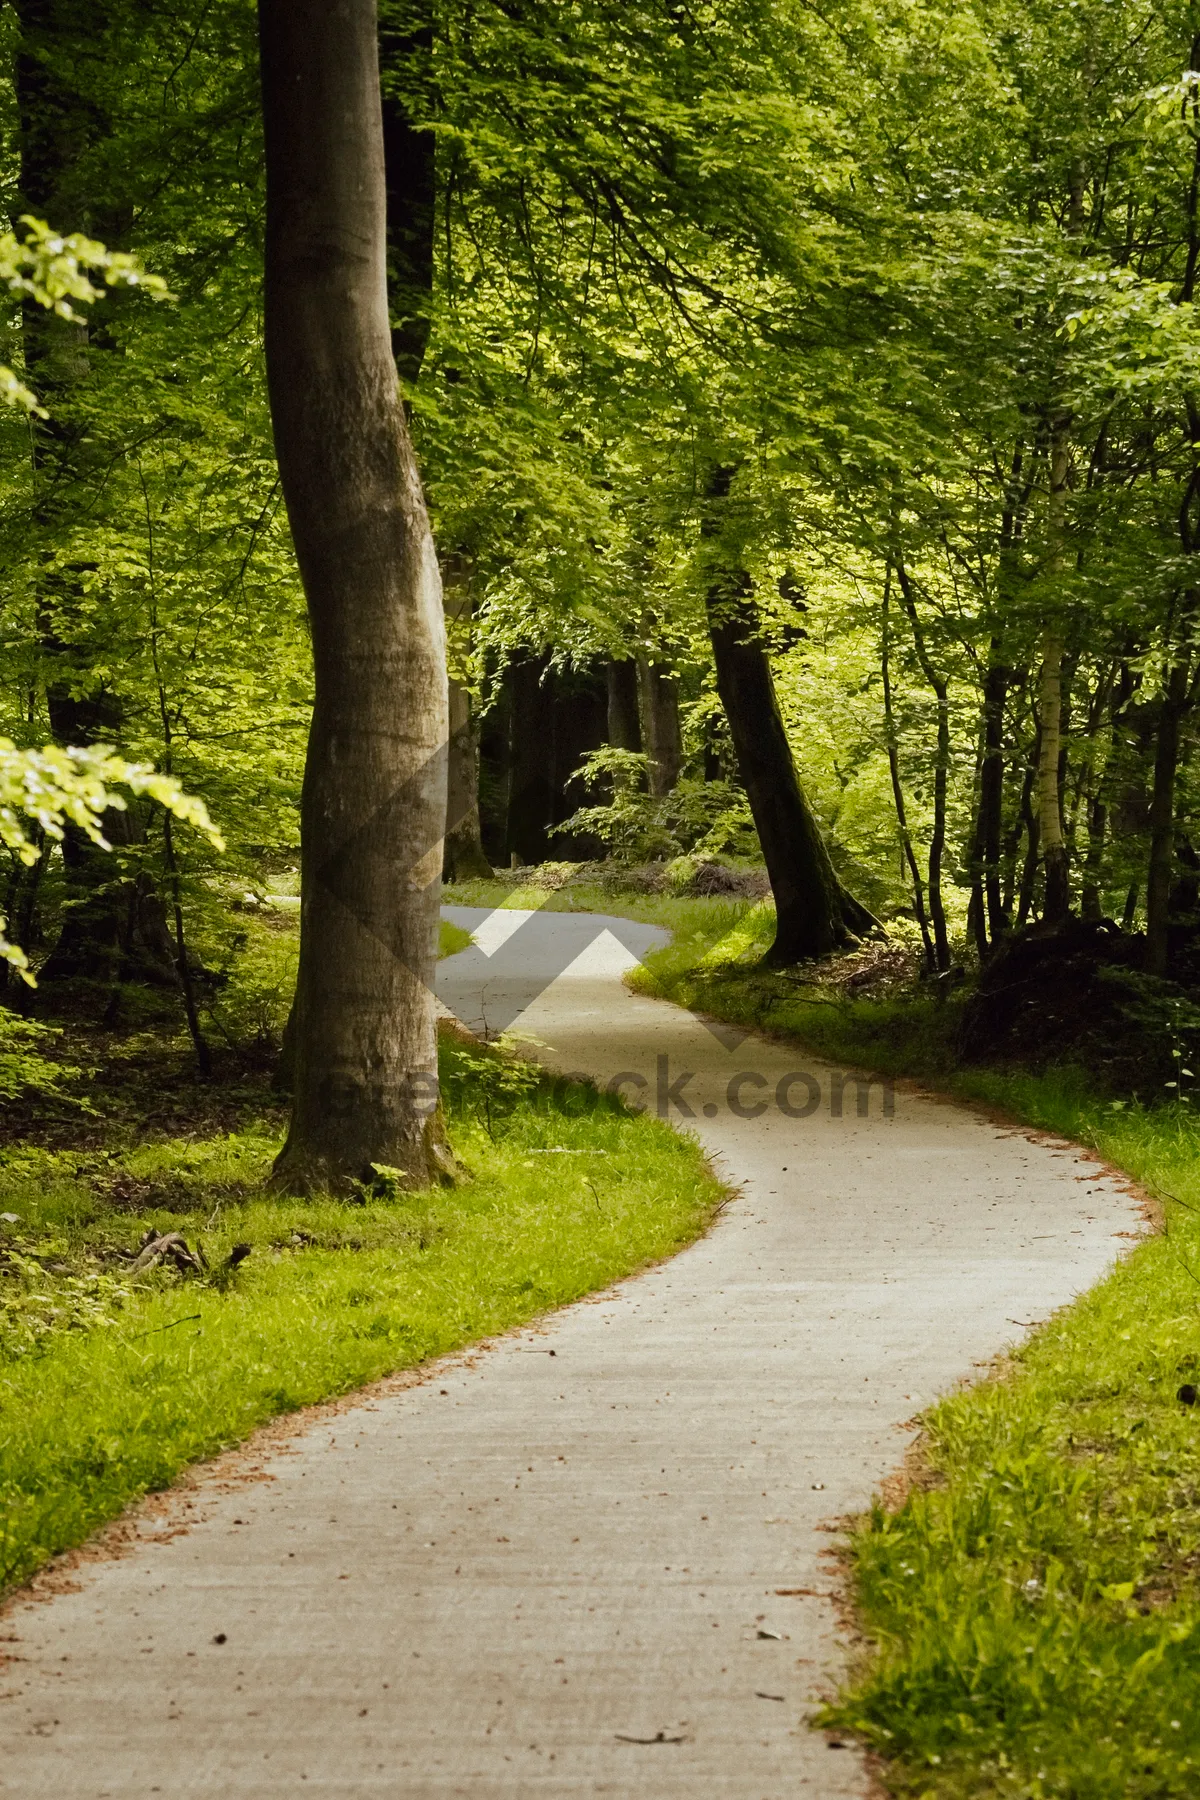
[624, 724]
[374, 800]
[814, 913]
[658, 691]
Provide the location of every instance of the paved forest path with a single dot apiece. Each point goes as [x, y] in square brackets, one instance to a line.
[589, 1560]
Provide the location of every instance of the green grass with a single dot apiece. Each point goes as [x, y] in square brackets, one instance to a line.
[109, 1387]
[451, 938]
[1036, 1610]
[1033, 1605]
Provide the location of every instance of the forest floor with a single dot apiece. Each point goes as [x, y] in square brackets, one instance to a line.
[1031, 1589]
[113, 1378]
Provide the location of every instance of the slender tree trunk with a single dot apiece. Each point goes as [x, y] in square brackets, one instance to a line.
[374, 802]
[814, 913]
[893, 754]
[463, 857]
[1028, 819]
[937, 841]
[624, 724]
[1162, 820]
[658, 690]
[991, 791]
[187, 986]
[1057, 899]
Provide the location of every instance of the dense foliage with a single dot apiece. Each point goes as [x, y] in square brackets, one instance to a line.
[918, 280]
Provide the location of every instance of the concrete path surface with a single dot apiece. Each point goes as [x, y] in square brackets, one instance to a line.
[587, 1560]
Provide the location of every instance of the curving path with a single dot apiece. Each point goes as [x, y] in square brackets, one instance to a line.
[589, 1560]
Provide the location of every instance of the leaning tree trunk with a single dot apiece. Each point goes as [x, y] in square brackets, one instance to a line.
[814, 913]
[373, 808]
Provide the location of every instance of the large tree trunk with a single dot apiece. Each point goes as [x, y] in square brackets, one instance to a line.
[374, 802]
[658, 691]
[814, 913]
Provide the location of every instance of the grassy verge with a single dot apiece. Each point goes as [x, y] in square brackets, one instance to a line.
[112, 1382]
[1033, 1605]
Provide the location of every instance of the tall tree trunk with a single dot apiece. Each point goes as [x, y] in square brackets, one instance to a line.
[374, 801]
[941, 774]
[624, 724]
[815, 914]
[991, 791]
[463, 857]
[893, 754]
[1057, 899]
[1162, 820]
[1025, 822]
[658, 690]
